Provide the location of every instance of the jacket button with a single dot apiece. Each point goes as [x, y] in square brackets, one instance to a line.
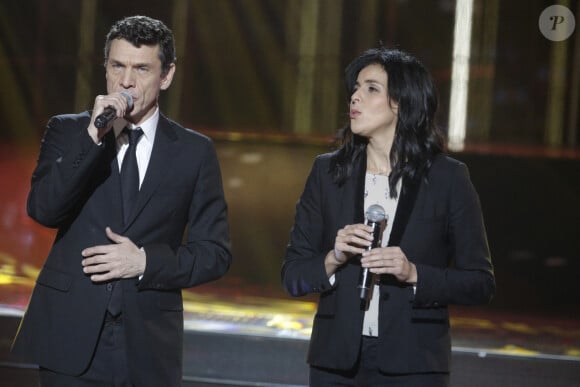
[109, 287]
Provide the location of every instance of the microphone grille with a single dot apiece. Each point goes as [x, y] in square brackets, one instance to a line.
[129, 98]
[376, 213]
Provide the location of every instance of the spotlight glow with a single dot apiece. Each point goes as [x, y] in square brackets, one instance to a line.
[460, 74]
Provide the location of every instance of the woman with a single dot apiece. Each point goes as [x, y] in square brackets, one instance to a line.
[433, 251]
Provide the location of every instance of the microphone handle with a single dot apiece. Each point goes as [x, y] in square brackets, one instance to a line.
[110, 113]
[364, 286]
[105, 117]
[365, 279]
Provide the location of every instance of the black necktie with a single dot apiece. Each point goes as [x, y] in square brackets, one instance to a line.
[130, 173]
[129, 191]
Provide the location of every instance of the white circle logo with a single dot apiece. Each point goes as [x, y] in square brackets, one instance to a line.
[557, 23]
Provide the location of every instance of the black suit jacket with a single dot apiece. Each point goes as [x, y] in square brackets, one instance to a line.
[438, 224]
[179, 219]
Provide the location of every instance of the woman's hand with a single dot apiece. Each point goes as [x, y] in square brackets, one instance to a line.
[390, 260]
[351, 240]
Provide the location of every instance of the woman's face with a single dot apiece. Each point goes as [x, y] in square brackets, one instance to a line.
[372, 113]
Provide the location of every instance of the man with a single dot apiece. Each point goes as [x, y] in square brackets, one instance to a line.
[107, 308]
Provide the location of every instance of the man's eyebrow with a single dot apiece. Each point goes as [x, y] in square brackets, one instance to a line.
[139, 64]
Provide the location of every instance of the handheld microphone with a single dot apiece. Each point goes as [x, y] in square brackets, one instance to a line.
[375, 216]
[110, 113]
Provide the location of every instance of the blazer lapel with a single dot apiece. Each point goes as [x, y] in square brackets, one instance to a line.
[405, 206]
[359, 186]
[407, 198]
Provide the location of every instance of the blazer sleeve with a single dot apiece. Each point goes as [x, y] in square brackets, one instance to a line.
[303, 270]
[468, 278]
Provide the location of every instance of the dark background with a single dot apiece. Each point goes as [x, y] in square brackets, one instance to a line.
[242, 76]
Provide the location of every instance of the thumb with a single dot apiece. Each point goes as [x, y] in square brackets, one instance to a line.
[113, 236]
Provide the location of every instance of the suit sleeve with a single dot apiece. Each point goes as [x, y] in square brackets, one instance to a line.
[205, 253]
[67, 157]
[469, 279]
[303, 271]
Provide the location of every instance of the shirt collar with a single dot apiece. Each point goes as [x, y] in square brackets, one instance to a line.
[149, 126]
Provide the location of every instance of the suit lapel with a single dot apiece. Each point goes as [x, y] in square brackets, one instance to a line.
[158, 167]
[112, 184]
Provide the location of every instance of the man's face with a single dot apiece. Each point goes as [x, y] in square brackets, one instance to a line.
[138, 72]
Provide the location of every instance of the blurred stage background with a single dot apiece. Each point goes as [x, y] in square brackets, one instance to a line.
[263, 78]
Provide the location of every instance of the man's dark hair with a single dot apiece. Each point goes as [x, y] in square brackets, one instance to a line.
[417, 138]
[139, 30]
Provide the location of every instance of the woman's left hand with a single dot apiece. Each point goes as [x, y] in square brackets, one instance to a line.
[390, 260]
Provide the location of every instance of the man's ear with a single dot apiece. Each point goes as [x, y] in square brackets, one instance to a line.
[167, 78]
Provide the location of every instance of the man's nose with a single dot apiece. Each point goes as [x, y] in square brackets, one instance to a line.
[128, 78]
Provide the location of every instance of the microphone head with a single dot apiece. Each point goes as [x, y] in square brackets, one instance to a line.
[129, 99]
[376, 213]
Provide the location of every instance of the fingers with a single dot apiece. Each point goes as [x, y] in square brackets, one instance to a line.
[388, 260]
[353, 239]
[358, 231]
[383, 258]
[97, 250]
[115, 100]
[106, 262]
[99, 271]
[107, 276]
[104, 249]
[104, 267]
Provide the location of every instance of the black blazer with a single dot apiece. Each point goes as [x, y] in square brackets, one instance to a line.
[438, 224]
[75, 188]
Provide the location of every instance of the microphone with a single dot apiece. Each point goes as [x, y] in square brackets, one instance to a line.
[375, 216]
[110, 114]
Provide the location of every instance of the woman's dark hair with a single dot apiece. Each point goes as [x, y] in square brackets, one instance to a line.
[139, 30]
[417, 139]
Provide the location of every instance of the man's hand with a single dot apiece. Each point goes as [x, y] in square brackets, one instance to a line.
[115, 100]
[121, 259]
